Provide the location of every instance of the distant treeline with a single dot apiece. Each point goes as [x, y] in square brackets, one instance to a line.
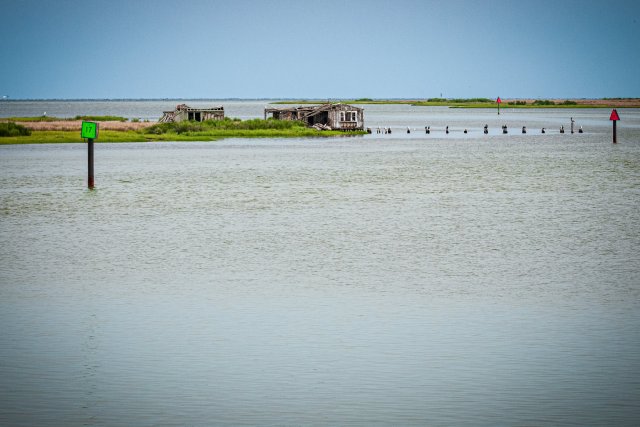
[548, 102]
[542, 102]
[101, 118]
[58, 119]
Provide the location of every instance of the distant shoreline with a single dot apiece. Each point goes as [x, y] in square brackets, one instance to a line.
[506, 103]
[449, 102]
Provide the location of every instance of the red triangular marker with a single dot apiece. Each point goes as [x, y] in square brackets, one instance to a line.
[614, 115]
[498, 100]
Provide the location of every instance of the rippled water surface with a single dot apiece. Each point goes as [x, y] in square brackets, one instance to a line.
[399, 279]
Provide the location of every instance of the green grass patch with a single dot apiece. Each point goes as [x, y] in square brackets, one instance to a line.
[209, 126]
[71, 136]
[254, 128]
[13, 129]
[43, 137]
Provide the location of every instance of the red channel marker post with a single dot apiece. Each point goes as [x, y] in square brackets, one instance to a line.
[499, 101]
[614, 117]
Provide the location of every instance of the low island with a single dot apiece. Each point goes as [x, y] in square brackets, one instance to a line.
[296, 122]
[39, 130]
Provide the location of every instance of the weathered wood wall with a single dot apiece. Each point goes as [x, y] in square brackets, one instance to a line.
[184, 112]
[335, 116]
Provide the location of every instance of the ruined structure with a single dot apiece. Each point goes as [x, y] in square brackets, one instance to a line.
[325, 116]
[184, 112]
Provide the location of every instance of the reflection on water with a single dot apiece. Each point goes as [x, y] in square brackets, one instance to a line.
[476, 280]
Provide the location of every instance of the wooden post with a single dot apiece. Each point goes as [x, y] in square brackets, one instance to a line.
[89, 131]
[90, 163]
[615, 139]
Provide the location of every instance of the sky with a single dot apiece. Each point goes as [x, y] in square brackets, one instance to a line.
[322, 49]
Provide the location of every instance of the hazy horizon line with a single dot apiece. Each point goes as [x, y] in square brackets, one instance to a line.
[6, 98]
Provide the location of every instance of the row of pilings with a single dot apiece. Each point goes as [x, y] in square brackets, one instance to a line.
[504, 129]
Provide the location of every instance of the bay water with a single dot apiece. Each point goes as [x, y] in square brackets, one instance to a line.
[389, 279]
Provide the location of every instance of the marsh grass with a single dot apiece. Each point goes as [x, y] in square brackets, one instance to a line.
[13, 129]
[227, 124]
[254, 128]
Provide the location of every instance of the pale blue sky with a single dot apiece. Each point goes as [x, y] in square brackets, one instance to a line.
[319, 49]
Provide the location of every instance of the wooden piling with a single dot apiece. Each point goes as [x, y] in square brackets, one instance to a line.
[90, 181]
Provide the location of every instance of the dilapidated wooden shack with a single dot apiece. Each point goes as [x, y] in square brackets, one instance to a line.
[184, 112]
[325, 116]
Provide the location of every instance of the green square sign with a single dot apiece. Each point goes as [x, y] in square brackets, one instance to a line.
[89, 130]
